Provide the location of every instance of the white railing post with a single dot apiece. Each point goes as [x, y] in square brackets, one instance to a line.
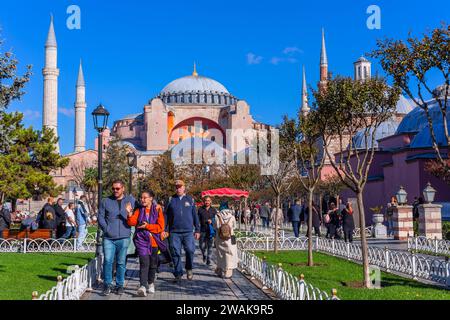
[25, 245]
[59, 289]
[332, 246]
[447, 273]
[317, 243]
[436, 245]
[416, 243]
[386, 257]
[267, 243]
[348, 250]
[301, 288]
[413, 265]
[74, 244]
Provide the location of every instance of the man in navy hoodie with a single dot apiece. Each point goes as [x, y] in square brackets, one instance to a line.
[183, 226]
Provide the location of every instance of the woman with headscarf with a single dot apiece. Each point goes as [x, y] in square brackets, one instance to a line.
[225, 242]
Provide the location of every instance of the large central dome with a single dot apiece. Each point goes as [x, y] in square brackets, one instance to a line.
[196, 90]
[194, 84]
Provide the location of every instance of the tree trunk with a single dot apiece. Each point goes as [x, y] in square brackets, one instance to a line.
[364, 248]
[310, 213]
[275, 246]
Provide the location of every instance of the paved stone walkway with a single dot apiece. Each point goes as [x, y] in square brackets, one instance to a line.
[205, 285]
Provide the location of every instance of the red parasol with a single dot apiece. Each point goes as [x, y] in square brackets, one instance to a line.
[225, 192]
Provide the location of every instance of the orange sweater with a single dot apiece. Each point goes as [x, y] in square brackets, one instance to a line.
[158, 227]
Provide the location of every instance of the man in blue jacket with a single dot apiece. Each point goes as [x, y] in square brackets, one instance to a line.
[112, 219]
[181, 223]
[295, 213]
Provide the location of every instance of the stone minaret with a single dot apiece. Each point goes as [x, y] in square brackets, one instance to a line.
[305, 108]
[80, 113]
[323, 64]
[51, 73]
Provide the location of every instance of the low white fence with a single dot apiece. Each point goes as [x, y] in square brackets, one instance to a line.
[46, 245]
[74, 286]
[409, 264]
[283, 284]
[427, 245]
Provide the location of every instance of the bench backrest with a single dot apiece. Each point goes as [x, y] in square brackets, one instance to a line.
[22, 234]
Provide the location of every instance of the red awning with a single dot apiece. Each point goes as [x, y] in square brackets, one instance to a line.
[225, 192]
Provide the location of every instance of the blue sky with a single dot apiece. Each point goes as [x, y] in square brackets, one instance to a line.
[132, 49]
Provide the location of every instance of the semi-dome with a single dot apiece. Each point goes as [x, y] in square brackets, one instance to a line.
[196, 90]
[416, 120]
[195, 84]
[385, 129]
[423, 138]
[403, 106]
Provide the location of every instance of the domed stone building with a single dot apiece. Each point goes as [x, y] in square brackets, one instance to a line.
[188, 107]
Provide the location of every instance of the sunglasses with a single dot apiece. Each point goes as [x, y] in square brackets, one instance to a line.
[178, 187]
[117, 189]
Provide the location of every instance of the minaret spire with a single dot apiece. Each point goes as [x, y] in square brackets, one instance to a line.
[80, 112]
[305, 108]
[323, 64]
[51, 73]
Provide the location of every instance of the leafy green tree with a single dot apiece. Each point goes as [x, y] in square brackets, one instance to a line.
[411, 63]
[344, 108]
[115, 165]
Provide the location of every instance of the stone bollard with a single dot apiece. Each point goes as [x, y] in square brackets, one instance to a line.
[301, 287]
[430, 220]
[403, 222]
[34, 295]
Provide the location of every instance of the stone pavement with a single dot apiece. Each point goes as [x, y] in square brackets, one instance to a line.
[205, 285]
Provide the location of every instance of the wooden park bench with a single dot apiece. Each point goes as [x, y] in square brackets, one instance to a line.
[22, 234]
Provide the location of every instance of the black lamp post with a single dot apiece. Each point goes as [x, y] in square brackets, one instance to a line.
[131, 159]
[100, 115]
[141, 175]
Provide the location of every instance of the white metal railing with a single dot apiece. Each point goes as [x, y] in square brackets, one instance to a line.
[46, 245]
[410, 264]
[74, 286]
[285, 285]
[427, 245]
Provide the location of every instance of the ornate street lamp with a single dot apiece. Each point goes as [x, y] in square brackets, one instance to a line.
[100, 116]
[141, 175]
[131, 159]
[401, 196]
[428, 193]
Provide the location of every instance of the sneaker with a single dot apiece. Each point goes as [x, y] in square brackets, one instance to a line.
[208, 263]
[119, 290]
[190, 274]
[151, 288]
[106, 291]
[204, 259]
[177, 279]
[142, 291]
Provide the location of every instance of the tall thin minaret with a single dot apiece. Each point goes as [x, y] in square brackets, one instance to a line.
[80, 113]
[323, 64]
[51, 73]
[305, 108]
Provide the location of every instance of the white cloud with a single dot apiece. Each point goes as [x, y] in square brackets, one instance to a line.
[31, 114]
[68, 112]
[292, 50]
[275, 60]
[253, 58]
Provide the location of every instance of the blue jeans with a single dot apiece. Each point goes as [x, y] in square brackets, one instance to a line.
[70, 233]
[82, 233]
[265, 222]
[115, 249]
[186, 241]
[296, 227]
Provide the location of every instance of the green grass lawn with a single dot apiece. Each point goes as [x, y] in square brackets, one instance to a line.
[92, 229]
[21, 274]
[332, 272]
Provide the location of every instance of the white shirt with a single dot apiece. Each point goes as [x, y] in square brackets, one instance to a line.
[69, 214]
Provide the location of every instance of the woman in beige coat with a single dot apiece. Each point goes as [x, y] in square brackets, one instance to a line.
[226, 251]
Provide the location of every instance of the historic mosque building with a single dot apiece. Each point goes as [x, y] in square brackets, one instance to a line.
[196, 106]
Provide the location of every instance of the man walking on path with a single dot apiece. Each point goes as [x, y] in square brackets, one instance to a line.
[82, 218]
[182, 220]
[206, 216]
[295, 212]
[112, 219]
[60, 218]
[264, 214]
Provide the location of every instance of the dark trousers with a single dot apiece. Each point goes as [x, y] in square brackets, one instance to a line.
[348, 235]
[60, 230]
[70, 233]
[316, 231]
[265, 222]
[179, 241]
[206, 245]
[147, 268]
[296, 227]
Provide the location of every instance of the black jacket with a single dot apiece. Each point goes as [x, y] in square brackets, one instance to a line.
[47, 217]
[315, 217]
[5, 219]
[60, 214]
[347, 220]
[205, 215]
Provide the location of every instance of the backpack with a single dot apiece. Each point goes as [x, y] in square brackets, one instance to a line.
[224, 230]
